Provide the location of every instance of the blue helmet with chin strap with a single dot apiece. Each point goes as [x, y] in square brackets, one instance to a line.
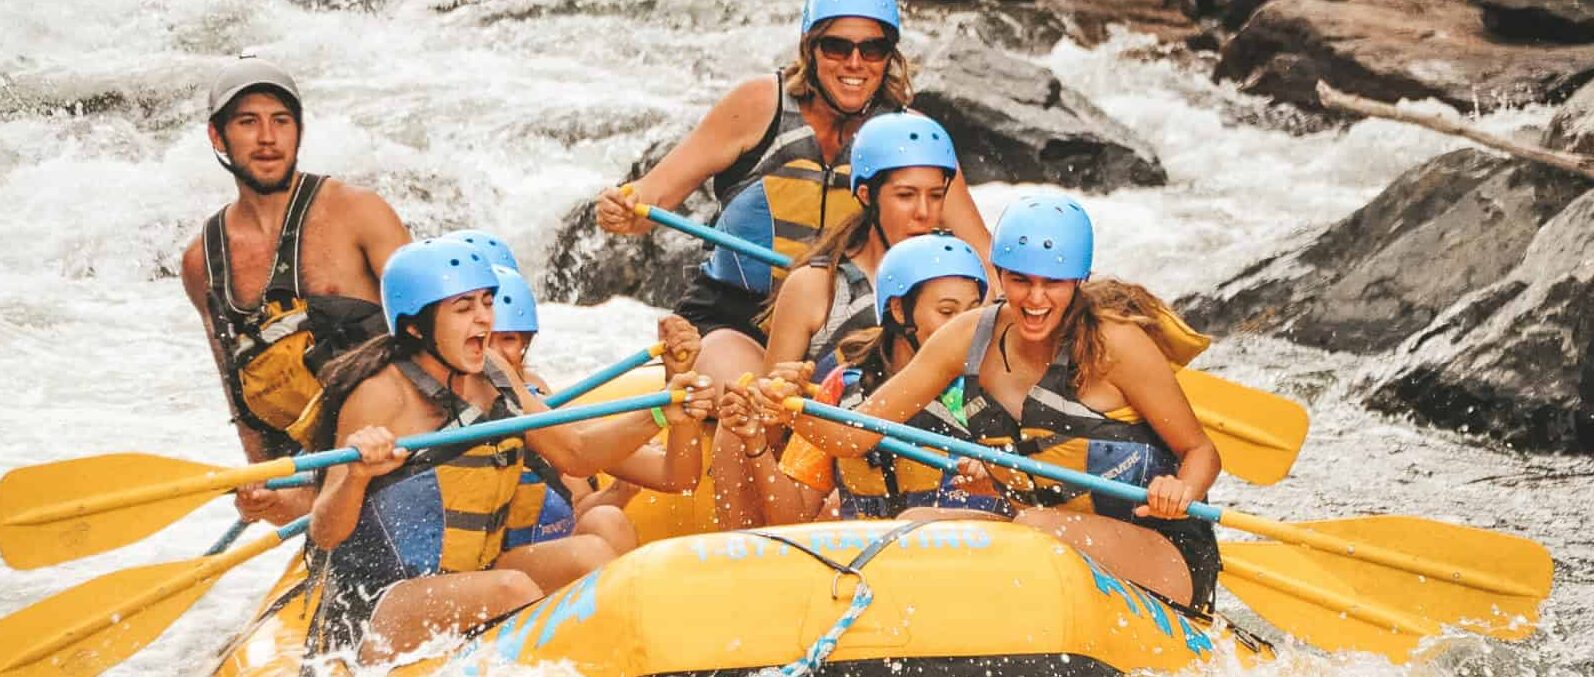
[917, 260]
[884, 11]
[1048, 237]
[897, 140]
[514, 307]
[492, 246]
[422, 273]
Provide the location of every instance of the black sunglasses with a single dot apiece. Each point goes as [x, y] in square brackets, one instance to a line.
[873, 50]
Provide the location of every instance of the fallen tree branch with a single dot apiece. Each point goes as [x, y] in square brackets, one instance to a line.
[1572, 162]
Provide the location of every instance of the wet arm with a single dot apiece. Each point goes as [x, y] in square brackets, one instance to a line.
[381, 230]
[336, 510]
[196, 286]
[1141, 372]
[734, 125]
[903, 395]
[800, 310]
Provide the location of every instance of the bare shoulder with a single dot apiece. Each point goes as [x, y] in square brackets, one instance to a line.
[746, 110]
[754, 95]
[804, 281]
[1128, 344]
[352, 200]
[375, 401]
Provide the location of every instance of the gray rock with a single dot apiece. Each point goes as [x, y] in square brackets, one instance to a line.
[588, 266]
[1570, 21]
[1014, 121]
[1513, 360]
[1457, 223]
[1572, 128]
[1396, 49]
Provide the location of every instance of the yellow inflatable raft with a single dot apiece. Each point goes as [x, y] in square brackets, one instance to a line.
[949, 598]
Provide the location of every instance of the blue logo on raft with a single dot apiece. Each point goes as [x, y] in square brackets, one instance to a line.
[575, 602]
[739, 546]
[1107, 584]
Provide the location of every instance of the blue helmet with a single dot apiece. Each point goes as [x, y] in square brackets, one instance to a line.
[1046, 236]
[422, 273]
[514, 307]
[884, 11]
[496, 250]
[917, 260]
[898, 140]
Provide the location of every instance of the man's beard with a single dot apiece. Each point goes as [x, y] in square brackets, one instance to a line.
[253, 182]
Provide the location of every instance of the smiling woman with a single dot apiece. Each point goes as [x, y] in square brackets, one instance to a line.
[777, 150]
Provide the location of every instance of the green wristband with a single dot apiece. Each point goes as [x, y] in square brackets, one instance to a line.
[658, 417]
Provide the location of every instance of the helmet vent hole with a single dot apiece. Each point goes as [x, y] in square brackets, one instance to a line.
[913, 136]
[453, 262]
[1023, 239]
[1047, 244]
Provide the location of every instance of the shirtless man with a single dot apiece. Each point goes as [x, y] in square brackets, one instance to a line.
[286, 276]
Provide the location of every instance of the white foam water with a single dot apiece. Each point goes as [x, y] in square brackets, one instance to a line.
[504, 114]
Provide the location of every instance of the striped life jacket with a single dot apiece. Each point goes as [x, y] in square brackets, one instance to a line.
[851, 309]
[880, 484]
[273, 351]
[1054, 427]
[780, 195]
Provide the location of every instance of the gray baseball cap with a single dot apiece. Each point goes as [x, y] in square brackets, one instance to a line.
[247, 71]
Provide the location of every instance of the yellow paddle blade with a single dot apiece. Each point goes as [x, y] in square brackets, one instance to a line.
[1258, 434]
[1339, 602]
[1501, 556]
[1282, 584]
[31, 630]
[98, 624]
[29, 546]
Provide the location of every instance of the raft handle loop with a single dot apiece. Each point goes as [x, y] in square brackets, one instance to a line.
[862, 596]
[849, 571]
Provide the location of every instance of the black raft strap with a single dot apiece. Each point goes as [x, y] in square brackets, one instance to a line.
[860, 561]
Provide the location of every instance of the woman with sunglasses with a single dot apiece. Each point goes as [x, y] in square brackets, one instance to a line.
[777, 150]
[1072, 372]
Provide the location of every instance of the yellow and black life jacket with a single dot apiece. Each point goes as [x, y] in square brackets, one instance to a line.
[851, 309]
[880, 484]
[274, 350]
[780, 195]
[1054, 427]
[444, 511]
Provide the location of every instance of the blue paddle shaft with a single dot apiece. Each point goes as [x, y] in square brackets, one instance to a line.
[294, 481]
[294, 528]
[226, 540]
[491, 429]
[916, 454]
[1101, 485]
[723, 239]
[608, 373]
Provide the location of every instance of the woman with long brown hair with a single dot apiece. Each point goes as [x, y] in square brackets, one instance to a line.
[1069, 372]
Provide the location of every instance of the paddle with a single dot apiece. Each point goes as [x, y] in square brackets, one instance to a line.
[554, 401]
[1431, 571]
[95, 625]
[670, 219]
[238, 527]
[1258, 434]
[60, 511]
